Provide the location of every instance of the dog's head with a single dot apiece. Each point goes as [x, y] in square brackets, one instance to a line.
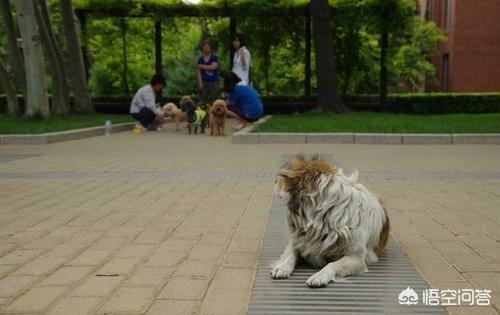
[170, 109]
[219, 108]
[205, 107]
[186, 104]
[302, 177]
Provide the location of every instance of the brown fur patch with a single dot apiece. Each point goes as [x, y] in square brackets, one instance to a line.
[301, 174]
[384, 236]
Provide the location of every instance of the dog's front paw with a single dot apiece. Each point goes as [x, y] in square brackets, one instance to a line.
[281, 272]
[319, 279]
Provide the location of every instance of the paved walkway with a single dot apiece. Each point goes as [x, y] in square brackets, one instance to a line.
[166, 223]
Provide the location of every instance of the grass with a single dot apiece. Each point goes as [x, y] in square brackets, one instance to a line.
[10, 125]
[382, 123]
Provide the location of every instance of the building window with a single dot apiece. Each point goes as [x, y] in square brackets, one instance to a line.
[447, 16]
[446, 73]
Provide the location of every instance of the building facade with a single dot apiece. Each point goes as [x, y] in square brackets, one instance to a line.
[469, 60]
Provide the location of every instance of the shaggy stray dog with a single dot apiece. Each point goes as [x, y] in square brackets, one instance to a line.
[335, 222]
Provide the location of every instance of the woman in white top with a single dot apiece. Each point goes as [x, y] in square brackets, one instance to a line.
[242, 57]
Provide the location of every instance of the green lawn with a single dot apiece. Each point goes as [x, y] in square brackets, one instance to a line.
[383, 123]
[9, 125]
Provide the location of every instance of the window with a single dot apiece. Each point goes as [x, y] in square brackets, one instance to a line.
[446, 73]
[447, 16]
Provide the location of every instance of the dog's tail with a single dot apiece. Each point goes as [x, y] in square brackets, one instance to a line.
[384, 236]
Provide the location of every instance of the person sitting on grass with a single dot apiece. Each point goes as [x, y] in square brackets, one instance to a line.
[143, 107]
[244, 103]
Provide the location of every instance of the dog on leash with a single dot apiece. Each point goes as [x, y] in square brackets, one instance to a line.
[218, 113]
[336, 223]
[179, 114]
[171, 110]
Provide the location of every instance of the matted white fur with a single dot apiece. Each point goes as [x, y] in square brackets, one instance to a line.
[336, 227]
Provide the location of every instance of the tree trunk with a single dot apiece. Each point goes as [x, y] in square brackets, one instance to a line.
[266, 66]
[123, 29]
[60, 97]
[82, 100]
[37, 98]
[384, 44]
[9, 87]
[15, 54]
[328, 98]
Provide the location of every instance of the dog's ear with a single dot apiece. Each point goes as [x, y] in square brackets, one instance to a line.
[316, 157]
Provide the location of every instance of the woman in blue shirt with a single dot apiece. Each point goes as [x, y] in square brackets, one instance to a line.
[244, 103]
[208, 74]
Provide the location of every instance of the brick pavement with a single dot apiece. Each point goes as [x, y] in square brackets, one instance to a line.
[166, 223]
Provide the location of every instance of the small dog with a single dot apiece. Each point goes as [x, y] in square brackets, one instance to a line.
[335, 222]
[171, 110]
[188, 108]
[218, 114]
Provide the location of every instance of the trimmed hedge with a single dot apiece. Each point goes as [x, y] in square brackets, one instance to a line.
[421, 103]
[435, 103]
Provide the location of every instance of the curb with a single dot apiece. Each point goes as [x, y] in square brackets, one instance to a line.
[53, 137]
[245, 136]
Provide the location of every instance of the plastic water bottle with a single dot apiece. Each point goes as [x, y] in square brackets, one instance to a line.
[107, 127]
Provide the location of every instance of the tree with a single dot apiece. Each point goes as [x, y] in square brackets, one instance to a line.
[82, 100]
[60, 97]
[9, 87]
[410, 65]
[36, 85]
[123, 33]
[15, 54]
[388, 17]
[328, 98]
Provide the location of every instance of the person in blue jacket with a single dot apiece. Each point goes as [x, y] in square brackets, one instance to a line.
[243, 102]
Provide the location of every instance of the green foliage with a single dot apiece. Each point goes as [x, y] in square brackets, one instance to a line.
[180, 8]
[410, 64]
[382, 123]
[105, 48]
[181, 38]
[275, 31]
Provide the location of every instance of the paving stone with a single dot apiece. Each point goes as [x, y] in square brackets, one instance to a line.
[162, 307]
[12, 286]
[76, 306]
[196, 268]
[245, 138]
[134, 251]
[281, 138]
[19, 256]
[42, 265]
[330, 137]
[378, 138]
[91, 257]
[184, 288]
[36, 300]
[66, 276]
[128, 299]
[150, 276]
[118, 266]
[426, 138]
[96, 286]
[465, 138]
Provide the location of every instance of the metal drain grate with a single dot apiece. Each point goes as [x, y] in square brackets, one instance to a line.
[375, 292]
